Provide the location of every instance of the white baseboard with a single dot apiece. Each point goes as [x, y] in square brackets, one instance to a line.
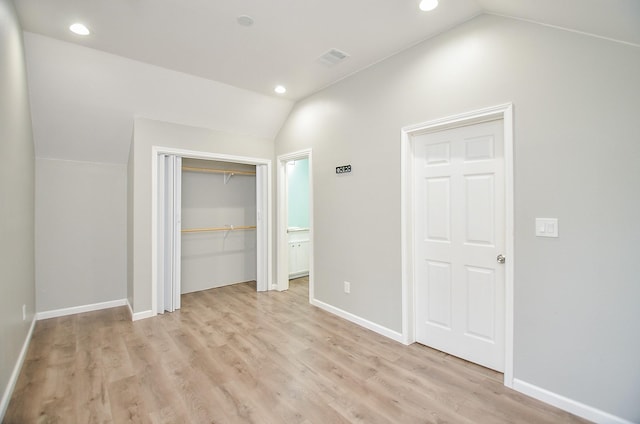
[142, 315]
[80, 309]
[394, 335]
[8, 391]
[580, 409]
[138, 315]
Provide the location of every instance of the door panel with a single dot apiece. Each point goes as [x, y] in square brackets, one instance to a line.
[480, 285]
[438, 207]
[169, 234]
[439, 293]
[480, 213]
[459, 231]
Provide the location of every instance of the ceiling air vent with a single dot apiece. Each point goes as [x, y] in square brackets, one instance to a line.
[333, 57]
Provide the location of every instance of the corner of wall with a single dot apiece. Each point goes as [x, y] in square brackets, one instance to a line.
[17, 215]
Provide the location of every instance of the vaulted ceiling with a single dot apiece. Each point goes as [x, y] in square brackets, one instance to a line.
[287, 37]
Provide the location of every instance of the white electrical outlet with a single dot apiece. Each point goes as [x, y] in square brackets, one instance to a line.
[347, 287]
[24, 312]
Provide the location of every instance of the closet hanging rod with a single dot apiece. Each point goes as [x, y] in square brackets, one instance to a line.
[217, 171]
[230, 228]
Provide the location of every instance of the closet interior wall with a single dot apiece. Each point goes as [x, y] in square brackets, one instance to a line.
[218, 224]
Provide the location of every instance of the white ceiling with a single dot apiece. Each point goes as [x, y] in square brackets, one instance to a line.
[202, 37]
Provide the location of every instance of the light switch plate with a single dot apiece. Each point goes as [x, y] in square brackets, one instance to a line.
[547, 227]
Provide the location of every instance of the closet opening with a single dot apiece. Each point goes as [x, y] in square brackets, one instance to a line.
[218, 224]
[295, 222]
[212, 226]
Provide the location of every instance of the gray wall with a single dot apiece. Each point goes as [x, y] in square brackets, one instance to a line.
[217, 258]
[130, 201]
[16, 198]
[577, 147]
[83, 105]
[80, 233]
[83, 101]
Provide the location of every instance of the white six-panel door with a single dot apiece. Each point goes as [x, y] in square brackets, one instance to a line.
[459, 234]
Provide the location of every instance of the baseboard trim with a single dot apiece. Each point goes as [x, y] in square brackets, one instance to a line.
[142, 315]
[384, 331]
[580, 409]
[136, 316]
[80, 309]
[11, 384]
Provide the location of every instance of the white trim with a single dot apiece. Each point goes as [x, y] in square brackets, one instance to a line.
[377, 328]
[265, 281]
[577, 408]
[509, 239]
[139, 315]
[13, 379]
[142, 315]
[406, 231]
[282, 268]
[80, 309]
[504, 112]
[561, 28]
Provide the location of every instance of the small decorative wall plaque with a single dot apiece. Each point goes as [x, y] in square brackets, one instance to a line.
[344, 169]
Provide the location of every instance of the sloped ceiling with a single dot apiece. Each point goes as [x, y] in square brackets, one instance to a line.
[203, 37]
[84, 101]
[190, 62]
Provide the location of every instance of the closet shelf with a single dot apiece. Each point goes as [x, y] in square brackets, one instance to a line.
[228, 173]
[227, 228]
[217, 171]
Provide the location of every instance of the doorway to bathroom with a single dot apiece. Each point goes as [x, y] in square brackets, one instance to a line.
[295, 221]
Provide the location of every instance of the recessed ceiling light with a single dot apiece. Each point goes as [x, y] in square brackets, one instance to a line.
[280, 89]
[245, 20]
[79, 29]
[428, 5]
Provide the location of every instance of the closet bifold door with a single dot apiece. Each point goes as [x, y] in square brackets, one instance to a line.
[262, 235]
[169, 234]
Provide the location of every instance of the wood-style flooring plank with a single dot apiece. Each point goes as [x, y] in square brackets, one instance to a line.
[232, 355]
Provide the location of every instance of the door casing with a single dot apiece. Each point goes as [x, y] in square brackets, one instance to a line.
[505, 113]
[264, 228]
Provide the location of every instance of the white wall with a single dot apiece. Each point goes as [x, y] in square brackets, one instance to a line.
[17, 284]
[148, 133]
[80, 233]
[577, 148]
[220, 258]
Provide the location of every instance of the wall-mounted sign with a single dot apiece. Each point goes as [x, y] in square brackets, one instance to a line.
[344, 169]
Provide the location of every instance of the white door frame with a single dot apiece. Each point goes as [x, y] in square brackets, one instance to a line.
[282, 218]
[504, 112]
[264, 225]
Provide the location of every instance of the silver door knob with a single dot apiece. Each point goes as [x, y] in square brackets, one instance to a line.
[500, 258]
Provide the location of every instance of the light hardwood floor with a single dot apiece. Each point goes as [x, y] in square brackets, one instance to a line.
[232, 355]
